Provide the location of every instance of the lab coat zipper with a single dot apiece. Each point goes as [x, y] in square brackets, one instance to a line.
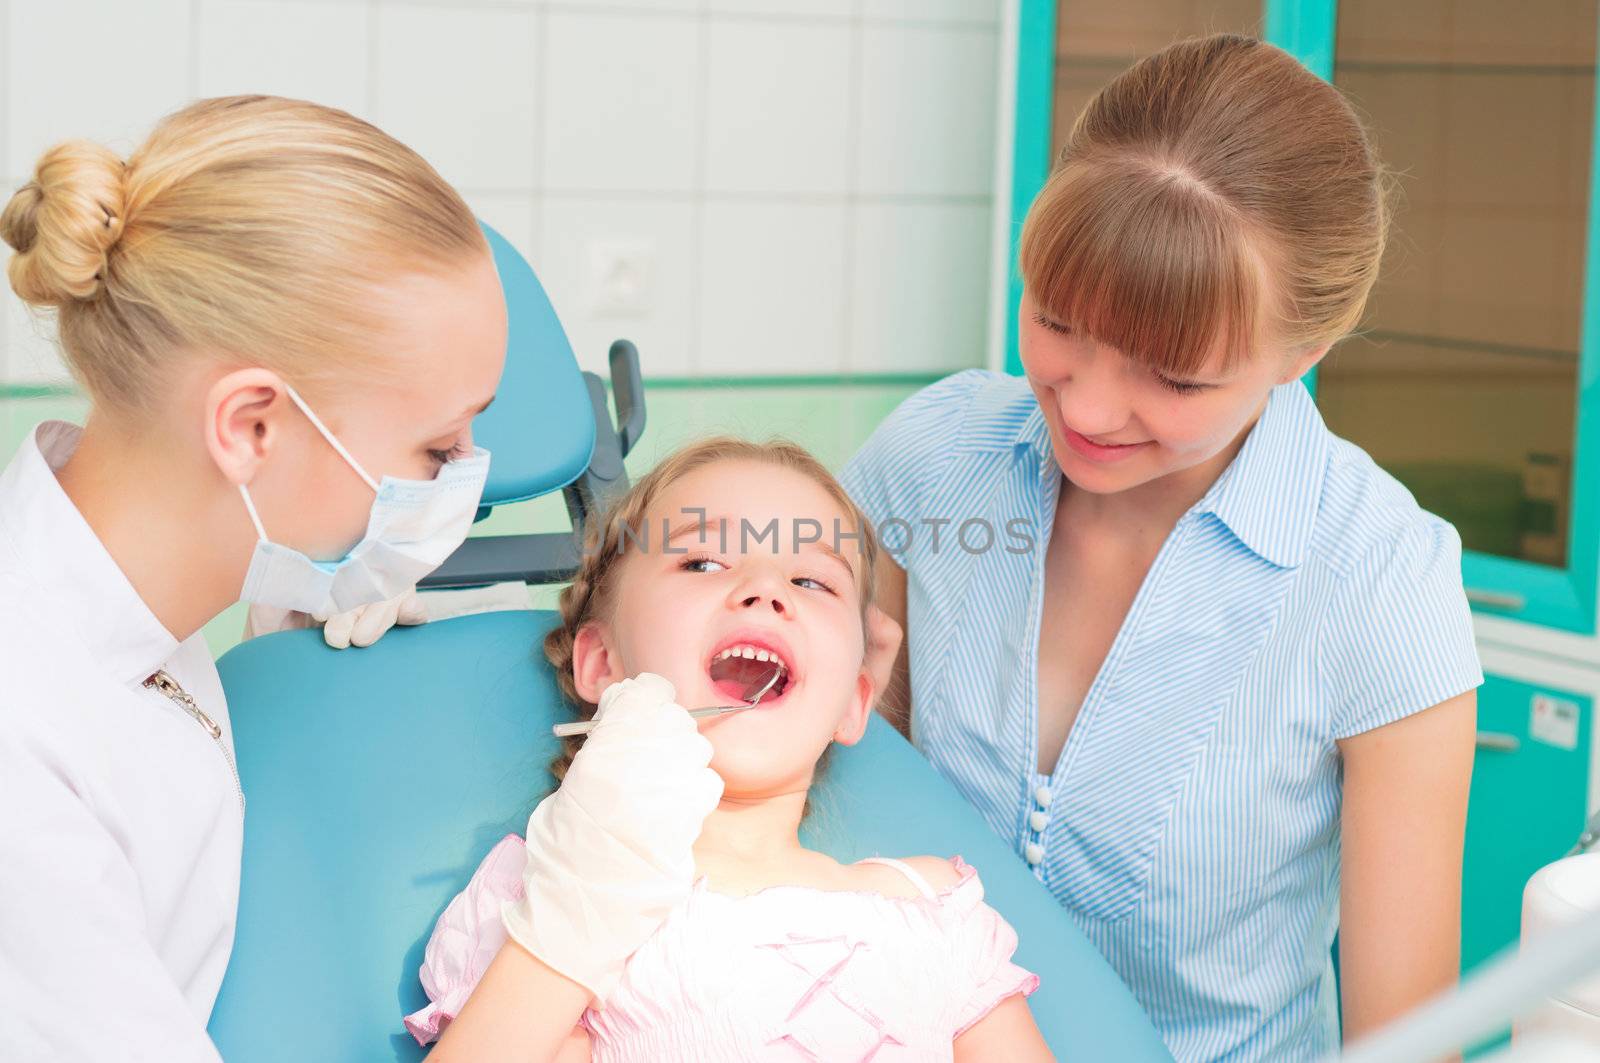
[163, 683]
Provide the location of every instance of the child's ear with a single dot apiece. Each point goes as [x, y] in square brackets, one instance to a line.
[854, 723]
[595, 663]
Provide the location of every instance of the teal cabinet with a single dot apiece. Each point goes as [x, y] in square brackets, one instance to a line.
[1530, 784]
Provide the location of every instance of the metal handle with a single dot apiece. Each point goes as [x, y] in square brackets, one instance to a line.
[583, 727]
[1495, 599]
[627, 390]
[1590, 835]
[1499, 742]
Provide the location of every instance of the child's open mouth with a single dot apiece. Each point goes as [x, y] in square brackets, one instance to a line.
[741, 668]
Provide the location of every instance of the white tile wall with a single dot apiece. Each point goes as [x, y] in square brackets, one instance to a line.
[31, 355]
[806, 182]
[967, 12]
[911, 261]
[927, 110]
[620, 102]
[457, 84]
[578, 234]
[779, 107]
[92, 68]
[772, 289]
[308, 50]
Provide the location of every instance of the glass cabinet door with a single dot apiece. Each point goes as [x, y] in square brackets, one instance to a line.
[1098, 39]
[1465, 380]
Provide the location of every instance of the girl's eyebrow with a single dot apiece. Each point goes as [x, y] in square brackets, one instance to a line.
[700, 526]
[837, 556]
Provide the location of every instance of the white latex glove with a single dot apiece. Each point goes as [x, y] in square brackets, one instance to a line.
[610, 853]
[365, 625]
[358, 627]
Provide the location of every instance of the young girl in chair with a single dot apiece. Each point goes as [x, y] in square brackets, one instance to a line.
[664, 909]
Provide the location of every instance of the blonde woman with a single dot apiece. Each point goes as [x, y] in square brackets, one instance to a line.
[285, 321]
[1204, 665]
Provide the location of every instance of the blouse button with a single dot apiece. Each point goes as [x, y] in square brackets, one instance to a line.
[1033, 852]
[1042, 796]
[1039, 820]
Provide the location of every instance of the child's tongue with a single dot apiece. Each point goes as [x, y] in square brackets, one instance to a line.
[733, 693]
[739, 678]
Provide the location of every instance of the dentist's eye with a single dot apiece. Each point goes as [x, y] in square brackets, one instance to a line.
[457, 451]
[809, 583]
[700, 564]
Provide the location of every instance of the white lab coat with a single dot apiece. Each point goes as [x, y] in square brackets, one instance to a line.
[121, 825]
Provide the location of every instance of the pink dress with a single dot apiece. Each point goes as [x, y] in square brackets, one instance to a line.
[786, 973]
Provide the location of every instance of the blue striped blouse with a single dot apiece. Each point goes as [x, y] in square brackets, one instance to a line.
[1191, 824]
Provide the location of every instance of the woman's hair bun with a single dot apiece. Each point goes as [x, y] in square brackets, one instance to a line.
[64, 223]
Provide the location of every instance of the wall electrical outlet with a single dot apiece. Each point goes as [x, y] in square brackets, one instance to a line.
[621, 277]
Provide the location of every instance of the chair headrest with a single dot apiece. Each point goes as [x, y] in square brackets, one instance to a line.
[540, 429]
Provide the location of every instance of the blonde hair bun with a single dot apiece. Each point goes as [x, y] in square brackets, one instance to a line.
[64, 223]
[254, 230]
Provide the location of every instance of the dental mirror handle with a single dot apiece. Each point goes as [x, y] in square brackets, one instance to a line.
[583, 727]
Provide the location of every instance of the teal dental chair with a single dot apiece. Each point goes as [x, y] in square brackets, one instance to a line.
[378, 778]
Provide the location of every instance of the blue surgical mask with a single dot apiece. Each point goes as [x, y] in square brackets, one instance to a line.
[414, 526]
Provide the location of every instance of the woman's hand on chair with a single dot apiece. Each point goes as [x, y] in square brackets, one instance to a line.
[367, 624]
[361, 626]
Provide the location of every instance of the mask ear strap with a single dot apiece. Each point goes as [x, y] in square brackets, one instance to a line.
[255, 518]
[316, 422]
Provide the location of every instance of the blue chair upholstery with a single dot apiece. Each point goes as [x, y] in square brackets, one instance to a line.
[540, 428]
[378, 779]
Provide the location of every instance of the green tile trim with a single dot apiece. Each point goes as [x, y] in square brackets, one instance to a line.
[37, 391]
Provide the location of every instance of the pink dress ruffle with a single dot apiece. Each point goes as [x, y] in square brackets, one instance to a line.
[466, 938]
[786, 973]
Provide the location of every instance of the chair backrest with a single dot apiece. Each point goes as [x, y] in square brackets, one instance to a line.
[378, 779]
[540, 427]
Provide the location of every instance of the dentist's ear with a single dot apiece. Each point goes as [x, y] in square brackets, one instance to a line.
[854, 723]
[595, 663]
[243, 411]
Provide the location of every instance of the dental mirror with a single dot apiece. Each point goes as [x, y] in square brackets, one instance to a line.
[754, 678]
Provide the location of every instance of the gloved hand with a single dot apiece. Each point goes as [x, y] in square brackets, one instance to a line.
[365, 625]
[610, 853]
[358, 627]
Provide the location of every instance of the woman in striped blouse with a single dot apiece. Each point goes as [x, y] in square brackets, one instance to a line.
[1207, 666]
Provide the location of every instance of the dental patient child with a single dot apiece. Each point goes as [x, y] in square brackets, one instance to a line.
[764, 949]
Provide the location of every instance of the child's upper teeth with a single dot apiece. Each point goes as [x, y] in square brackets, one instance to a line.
[750, 653]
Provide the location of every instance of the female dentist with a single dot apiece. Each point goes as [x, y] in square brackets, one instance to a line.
[1207, 667]
[286, 322]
